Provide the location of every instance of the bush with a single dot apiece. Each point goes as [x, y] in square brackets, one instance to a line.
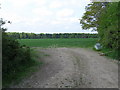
[14, 58]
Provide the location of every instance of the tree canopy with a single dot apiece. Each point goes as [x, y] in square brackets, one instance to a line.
[108, 26]
[104, 18]
[92, 14]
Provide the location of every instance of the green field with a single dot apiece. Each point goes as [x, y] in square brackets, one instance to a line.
[47, 43]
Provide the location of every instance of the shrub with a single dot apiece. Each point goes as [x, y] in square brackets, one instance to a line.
[14, 58]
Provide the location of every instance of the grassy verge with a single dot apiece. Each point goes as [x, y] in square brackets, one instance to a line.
[113, 54]
[24, 71]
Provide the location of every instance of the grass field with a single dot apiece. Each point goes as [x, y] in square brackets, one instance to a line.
[47, 43]
[75, 43]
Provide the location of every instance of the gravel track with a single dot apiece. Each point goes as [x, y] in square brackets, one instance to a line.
[72, 68]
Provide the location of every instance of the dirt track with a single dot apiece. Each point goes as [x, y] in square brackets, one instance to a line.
[73, 68]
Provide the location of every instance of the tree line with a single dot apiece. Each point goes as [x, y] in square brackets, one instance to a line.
[45, 35]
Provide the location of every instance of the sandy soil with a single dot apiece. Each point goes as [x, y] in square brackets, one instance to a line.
[73, 68]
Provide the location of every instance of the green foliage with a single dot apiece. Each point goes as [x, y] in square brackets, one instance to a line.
[45, 43]
[108, 26]
[16, 60]
[104, 17]
[13, 58]
[92, 14]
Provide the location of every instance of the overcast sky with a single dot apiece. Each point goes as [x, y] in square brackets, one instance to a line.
[44, 16]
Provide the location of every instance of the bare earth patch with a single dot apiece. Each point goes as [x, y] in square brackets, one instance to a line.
[72, 68]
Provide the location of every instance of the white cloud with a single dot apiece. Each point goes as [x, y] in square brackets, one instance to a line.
[65, 12]
[67, 27]
[43, 11]
[25, 3]
[56, 4]
[15, 18]
[33, 21]
[27, 14]
[67, 20]
[19, 3]
[67, 3]
[55, 22]
[78, 3]
[40, 2]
